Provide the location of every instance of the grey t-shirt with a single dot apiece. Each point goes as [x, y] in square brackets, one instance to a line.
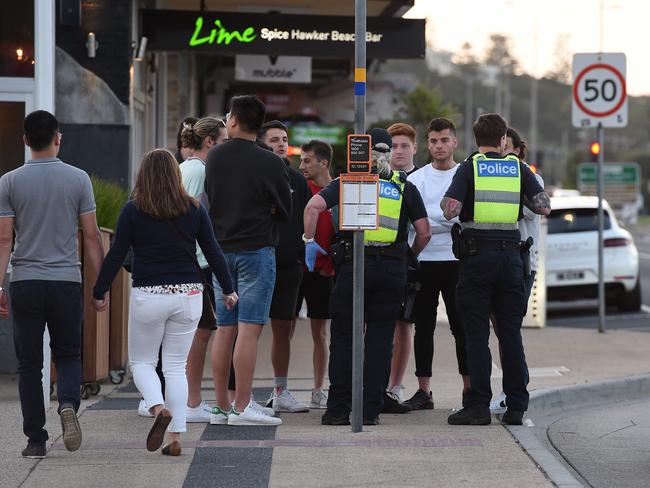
[46, 198]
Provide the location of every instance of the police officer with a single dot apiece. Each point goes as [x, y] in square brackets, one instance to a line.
[487, 193]
[385, 280]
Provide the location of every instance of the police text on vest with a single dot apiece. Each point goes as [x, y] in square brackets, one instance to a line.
[498, 168]
[388, 190]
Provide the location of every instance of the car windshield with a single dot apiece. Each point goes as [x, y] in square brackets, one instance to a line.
[575, 220]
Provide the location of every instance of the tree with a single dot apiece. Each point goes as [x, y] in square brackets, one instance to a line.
[499, 53]
[561, 70]
[419, 107]
[423, 104]
[466, 60]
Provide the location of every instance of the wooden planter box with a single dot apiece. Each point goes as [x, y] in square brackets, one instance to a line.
[95, 326]
[119, 322]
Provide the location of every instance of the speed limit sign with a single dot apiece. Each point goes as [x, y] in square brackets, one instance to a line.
[599, 90]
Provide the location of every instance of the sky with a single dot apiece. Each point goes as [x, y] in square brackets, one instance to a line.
[578, 21]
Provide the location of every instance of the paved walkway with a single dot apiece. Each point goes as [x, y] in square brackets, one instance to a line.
[417, 449]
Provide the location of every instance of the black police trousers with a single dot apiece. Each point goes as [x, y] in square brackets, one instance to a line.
[385, 281]
[493, 281]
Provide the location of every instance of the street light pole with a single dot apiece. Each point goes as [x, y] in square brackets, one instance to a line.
[601, 222]
[358, 252]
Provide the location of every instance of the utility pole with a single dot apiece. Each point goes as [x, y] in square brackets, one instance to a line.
[358, 243]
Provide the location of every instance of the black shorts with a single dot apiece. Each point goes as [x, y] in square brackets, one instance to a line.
[207, 278]
[285, 293]
[316, 290]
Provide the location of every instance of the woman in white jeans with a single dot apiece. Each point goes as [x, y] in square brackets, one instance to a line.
[163, 223]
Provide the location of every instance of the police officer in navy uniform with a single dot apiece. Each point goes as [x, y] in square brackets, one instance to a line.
[488, 193]
[385, 279]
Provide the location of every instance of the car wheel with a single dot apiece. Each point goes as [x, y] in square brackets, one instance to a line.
[630, 301]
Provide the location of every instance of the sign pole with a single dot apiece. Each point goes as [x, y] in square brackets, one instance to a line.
[601, 224]
[358, 254]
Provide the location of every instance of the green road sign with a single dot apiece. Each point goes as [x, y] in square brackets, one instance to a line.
[622, 181]
[303, 133]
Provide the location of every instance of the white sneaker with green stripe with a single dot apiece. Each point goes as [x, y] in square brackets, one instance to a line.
[218, 416]
[251, 416]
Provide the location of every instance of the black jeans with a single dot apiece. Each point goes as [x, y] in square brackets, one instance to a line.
[493, 281]
[436, 278]
[34, 304]
[385, 279]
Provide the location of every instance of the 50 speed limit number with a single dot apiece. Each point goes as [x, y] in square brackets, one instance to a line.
[599, 90]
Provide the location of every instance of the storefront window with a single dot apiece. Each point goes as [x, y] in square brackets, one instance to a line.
[11, 136]
[17, 40]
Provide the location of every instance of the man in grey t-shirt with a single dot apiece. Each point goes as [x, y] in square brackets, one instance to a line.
[42, 202]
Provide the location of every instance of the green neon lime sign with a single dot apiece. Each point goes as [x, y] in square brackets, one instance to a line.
[220, 35]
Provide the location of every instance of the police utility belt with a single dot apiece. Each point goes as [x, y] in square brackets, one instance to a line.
[466, 246]
[341, 252]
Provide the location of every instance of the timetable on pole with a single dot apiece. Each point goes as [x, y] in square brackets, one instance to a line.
[359, 202]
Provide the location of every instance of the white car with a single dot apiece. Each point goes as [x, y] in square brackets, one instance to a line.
[572, 254]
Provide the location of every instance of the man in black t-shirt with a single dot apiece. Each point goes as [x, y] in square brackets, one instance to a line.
[487, 193]
[385, 279]
[249, 195]
[289, 264]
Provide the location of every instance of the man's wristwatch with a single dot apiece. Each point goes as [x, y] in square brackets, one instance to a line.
[306, 240]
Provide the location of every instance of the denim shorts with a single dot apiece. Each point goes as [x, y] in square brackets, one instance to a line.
[253, 275]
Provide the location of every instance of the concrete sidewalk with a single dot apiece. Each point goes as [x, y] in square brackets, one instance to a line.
[416, 449]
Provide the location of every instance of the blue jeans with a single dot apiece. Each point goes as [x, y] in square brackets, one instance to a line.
[58, 304]
[253, 274]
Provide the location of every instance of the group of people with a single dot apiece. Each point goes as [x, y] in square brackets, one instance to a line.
[227, 235]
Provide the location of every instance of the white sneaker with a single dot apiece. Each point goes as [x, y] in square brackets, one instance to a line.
[498, 405]
[199, 414]
[251, 416]
[318, 399]
[256, 406]
[269, 412]
[218, 416]
[285, 402]
[398, 391]
[143, 411]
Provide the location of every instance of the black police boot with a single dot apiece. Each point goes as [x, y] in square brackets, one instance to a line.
[475, 415]
[330, 419]
[371, 421]
[393, 405]
[421, 400]
[513, 417]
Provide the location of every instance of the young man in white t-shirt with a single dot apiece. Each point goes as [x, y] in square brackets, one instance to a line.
[438, 272]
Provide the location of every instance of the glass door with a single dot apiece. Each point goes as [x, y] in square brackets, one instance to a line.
[13, 108]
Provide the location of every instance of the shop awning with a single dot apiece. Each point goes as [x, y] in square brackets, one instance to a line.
[275, 34]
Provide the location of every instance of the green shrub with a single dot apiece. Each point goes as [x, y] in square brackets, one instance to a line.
[109, 198]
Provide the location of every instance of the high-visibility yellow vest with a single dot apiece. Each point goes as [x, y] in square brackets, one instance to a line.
[497, 189]
[390, 205]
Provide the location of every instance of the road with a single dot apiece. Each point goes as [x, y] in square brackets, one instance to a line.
[607, 445]
[583, 314]
[642, 240]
